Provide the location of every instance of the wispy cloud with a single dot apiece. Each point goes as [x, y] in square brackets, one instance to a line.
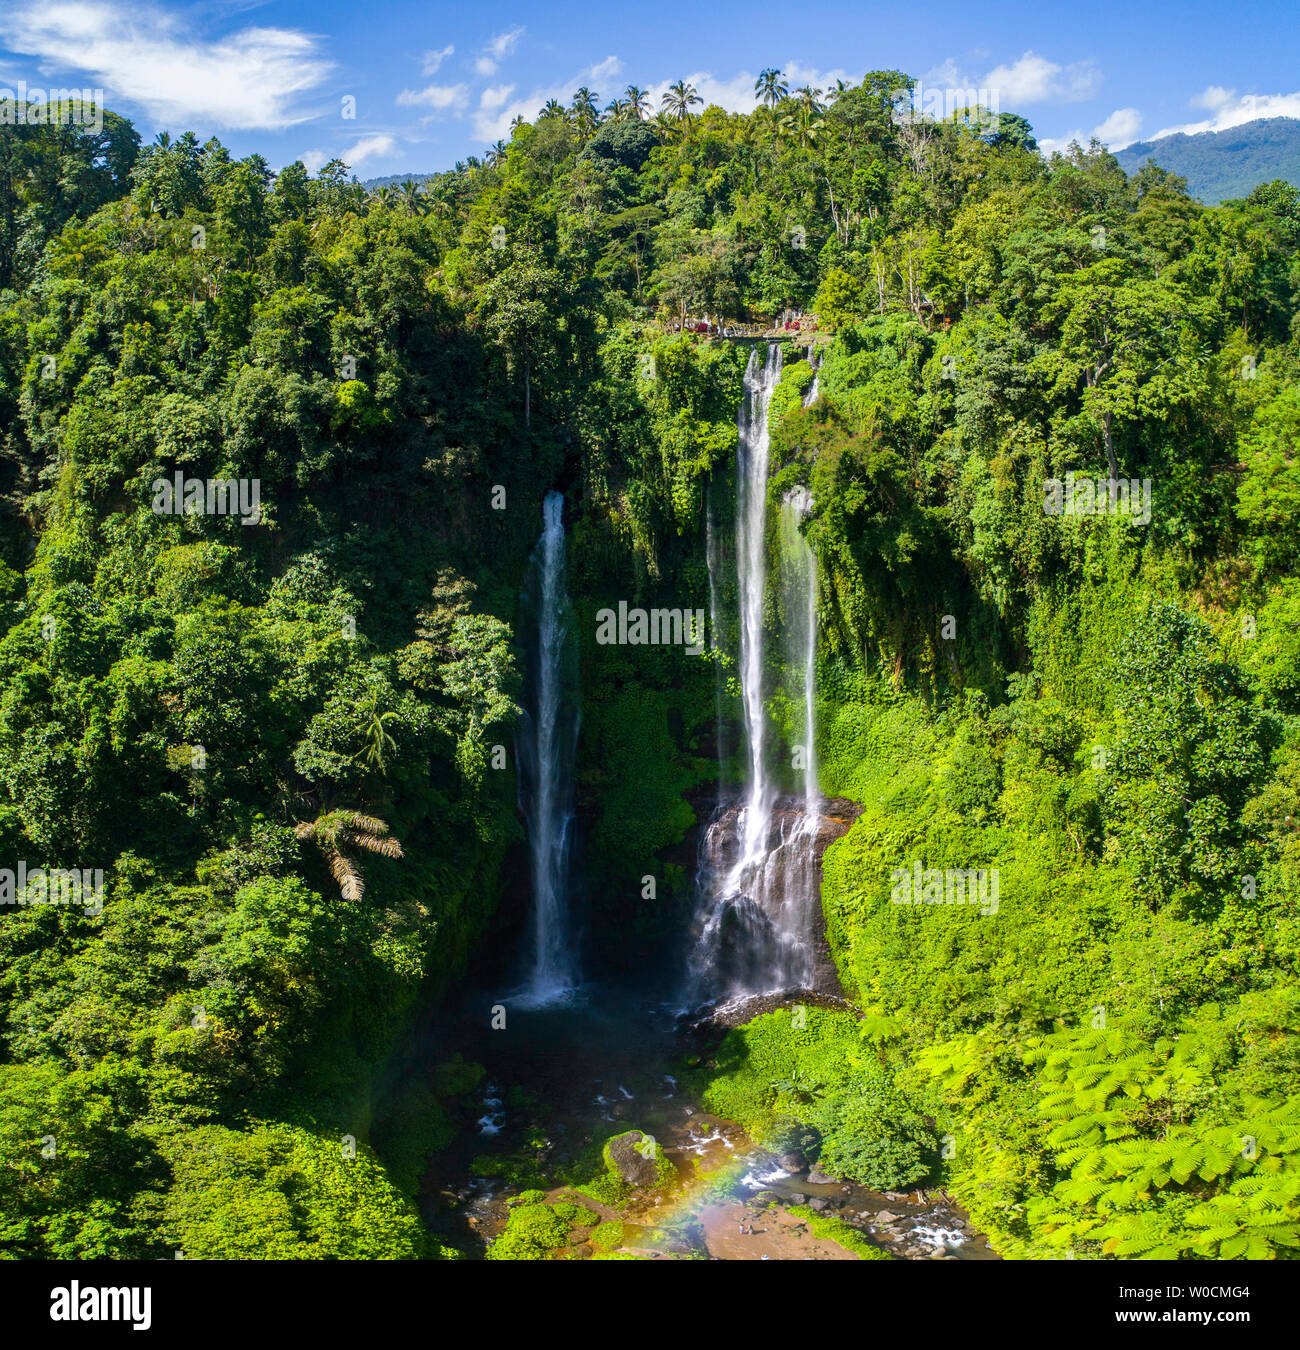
[1228, 109]
[496, 51]
[438, 97]
[494, 96]
[368, 147]
[1029, 79]
[433, 59]
[248, 79]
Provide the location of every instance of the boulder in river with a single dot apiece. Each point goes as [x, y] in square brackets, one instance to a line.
[636, 1158]
[819, 1178]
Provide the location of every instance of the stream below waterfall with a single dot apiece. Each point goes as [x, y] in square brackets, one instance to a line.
[562, 1080]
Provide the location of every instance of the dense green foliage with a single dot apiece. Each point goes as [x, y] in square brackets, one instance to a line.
[278, 737]
[809, 1079]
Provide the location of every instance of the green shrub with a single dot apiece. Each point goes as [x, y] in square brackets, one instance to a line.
[532, 1232]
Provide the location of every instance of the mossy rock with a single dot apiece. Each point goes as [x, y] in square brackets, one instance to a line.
[608, 1236]
[577, 1215]
[637, 1160]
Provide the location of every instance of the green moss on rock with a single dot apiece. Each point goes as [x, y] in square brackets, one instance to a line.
[608, 1236]
[636, 1159]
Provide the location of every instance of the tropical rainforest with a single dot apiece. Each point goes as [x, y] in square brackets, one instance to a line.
[288, 739]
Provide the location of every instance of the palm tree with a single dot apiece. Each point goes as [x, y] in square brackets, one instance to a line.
[497, 153]
[378, 743]
[551, 108]
[665, 126]
[386, 195]
[354, 200]
[516, 122]
[336, 833]
[585, 115]
[638, 102]
[802, 128]
[807, 99]
[840, 88]
[770, 87]
[615, 110]
[413, 197]
[678, 100]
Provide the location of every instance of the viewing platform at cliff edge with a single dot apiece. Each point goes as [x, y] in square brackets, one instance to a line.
[802, 331]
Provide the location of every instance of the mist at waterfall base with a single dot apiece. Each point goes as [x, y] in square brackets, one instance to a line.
[546, 747]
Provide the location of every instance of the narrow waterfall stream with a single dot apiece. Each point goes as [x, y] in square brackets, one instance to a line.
[799, 610]
[754, 454]
[546, 753]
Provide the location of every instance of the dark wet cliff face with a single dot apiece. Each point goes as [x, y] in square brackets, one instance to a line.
[761, 928]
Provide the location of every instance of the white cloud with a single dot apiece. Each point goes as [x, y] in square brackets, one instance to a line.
[246, 80]
[432, 59]
[504, 43]
[1030, 79]
[1215, 97]
[439, 97]
[368, 147]
[494, 96]
[1034, 79]
[496, 51]
[1118, 130]
[1230, 109]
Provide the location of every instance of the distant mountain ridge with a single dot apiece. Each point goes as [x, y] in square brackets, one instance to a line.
[395, 180]
[1219, 165]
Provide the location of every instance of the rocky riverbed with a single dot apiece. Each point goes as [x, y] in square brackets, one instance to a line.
[568, 1079]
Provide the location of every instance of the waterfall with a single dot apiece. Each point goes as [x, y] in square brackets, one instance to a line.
[815, 362]
[758, 880]
[753, 455]
[547, 745]
[713, 558]
[800, 610]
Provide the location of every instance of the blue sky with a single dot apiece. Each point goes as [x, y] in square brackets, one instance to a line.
[428, 84]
